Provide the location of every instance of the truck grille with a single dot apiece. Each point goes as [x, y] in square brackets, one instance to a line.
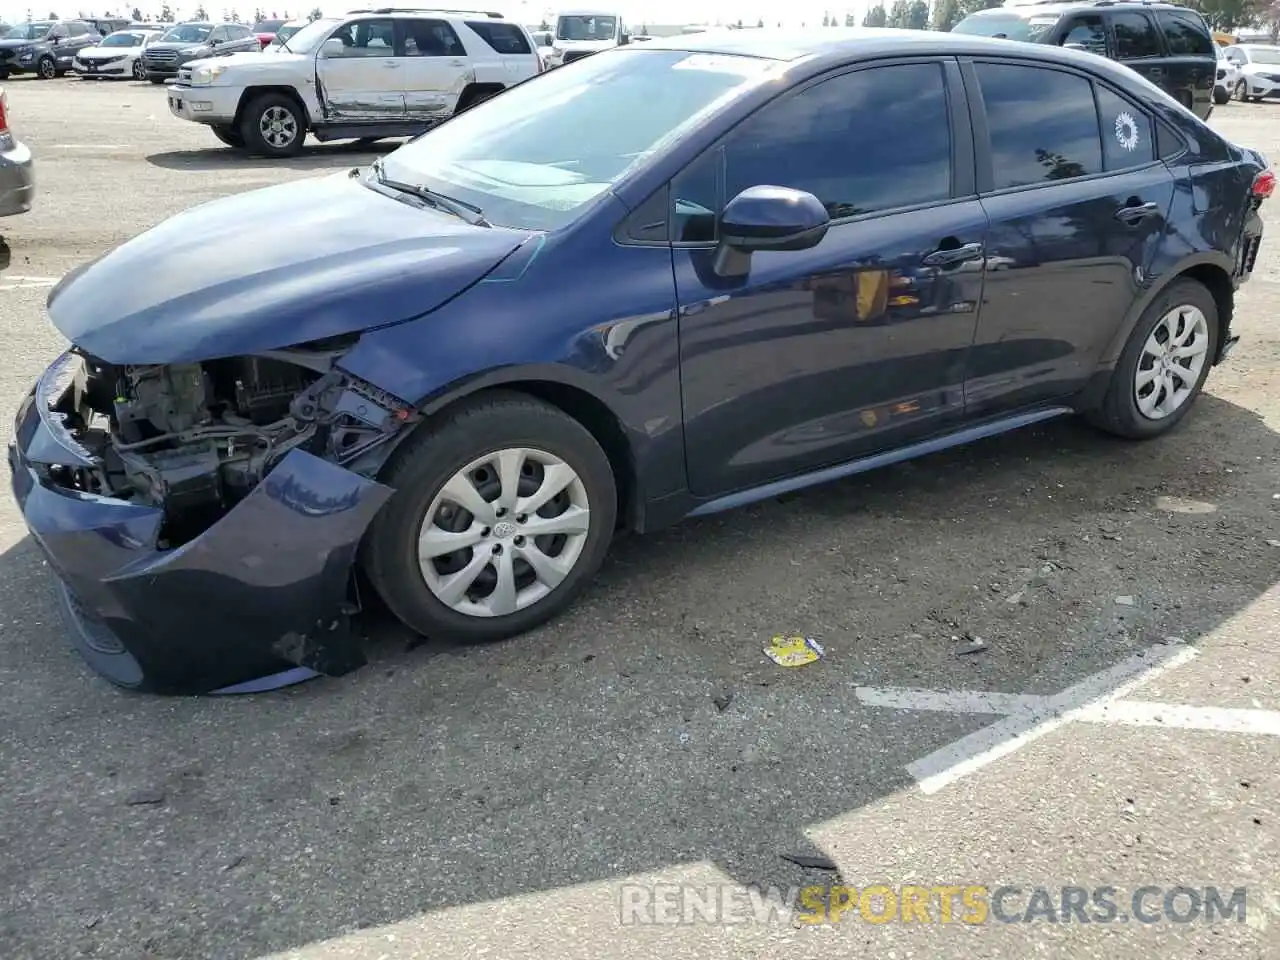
[161, 56]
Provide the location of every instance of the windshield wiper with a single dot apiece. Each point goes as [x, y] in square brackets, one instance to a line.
[472, 215]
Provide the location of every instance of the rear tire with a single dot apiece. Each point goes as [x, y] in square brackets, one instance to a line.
[274, 125]
[1186, 314]
[493, 447]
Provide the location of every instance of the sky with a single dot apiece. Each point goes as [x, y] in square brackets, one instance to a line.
[529, 11]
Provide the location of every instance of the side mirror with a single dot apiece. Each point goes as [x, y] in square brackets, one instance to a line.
[766, 217]
[332, 47]
[55, 40]
[624, 39]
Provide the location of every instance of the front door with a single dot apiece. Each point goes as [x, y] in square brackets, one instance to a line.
[359, 73]
[859, 344]
[435, 68]
[1076, 217]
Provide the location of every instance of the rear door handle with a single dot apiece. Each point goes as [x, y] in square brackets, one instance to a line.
[391, 64]
[946, 256]
[1134, 212]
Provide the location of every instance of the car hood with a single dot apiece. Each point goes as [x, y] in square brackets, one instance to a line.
[100, 52]
[272, 268]
[266, 60]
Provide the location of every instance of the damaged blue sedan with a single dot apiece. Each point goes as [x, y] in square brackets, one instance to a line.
[665, 281]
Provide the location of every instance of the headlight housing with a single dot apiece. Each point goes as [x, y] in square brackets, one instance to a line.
[204, 75]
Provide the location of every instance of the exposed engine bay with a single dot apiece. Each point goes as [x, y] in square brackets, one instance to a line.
[195, 439]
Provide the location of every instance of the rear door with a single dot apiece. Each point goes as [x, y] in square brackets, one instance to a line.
[857, 345]
[509, 43]
[1193, 56]
[1078, 200]
[1136, 44]
[359, 74]
[433, 67]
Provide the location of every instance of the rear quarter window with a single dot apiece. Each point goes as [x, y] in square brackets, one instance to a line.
[501, 37]
[1186, 34]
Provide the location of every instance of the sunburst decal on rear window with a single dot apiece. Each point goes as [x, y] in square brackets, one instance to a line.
[1127, 131]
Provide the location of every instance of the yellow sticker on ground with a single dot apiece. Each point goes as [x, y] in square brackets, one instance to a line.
[793, 651]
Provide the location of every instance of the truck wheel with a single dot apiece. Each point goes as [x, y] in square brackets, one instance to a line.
[46, 68]
[273, 126]
[229, 135]
[1220, 95]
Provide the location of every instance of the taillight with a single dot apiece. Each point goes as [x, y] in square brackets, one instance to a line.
[4, 112]
[1264, 185]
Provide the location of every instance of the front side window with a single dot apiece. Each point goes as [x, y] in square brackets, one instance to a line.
[219, 34]
[1088, 32]
[431, 38]
[189, 33]
[1186, 34]
[1136, 37]
[122, 40]
[362, 38]
[537, 155]
[1043, 124]
[864, 142]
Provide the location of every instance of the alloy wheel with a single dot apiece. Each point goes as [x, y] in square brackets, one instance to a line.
[48, 69]
[139, 71]
[278, 126]
[1171, 362]
[504, 532]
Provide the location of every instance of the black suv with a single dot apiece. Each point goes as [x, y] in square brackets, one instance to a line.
[1168, 44]
[44, 47]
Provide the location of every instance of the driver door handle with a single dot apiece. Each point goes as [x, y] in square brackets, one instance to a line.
[391, 64]
[946, 256]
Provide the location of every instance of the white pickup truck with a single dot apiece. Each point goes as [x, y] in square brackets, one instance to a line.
[391, 72]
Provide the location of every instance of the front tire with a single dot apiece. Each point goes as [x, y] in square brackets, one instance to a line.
[503, 512]
[139, 71]
[1164, 364]
[230, 136]
[273, 126]
[1241, 91]
[46, 68]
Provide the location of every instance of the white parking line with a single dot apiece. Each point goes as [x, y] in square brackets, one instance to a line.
[10, 282]
[1027, 717]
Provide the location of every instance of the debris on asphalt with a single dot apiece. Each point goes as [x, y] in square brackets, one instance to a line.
[1125, 601]
[972, 645]
[1130, 811]
[1018, 597]
[1273, 543]
[146, 797]
[723, 700]
[233, 863]
[89, 925]
[794, 651]
[810, 862]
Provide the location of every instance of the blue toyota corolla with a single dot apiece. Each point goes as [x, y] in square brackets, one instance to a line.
[660, 282]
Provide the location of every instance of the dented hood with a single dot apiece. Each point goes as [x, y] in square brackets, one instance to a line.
[269, 269]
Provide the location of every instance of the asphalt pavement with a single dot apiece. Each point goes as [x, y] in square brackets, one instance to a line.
[629, 781]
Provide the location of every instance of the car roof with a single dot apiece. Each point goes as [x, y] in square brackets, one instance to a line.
[1066, 6]
[838, 44]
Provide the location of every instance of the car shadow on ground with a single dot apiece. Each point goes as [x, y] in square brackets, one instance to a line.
[641, 730]
[319, 156]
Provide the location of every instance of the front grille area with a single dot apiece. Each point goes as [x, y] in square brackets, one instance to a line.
[161, 56]
[101, 61]
[573, 55]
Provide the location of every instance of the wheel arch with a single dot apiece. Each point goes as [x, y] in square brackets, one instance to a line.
[557, 388]
[1210, 269]
[252, 93]
[476, 91]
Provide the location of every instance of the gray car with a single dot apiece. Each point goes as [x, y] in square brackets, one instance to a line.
[17, 175]
[196, 40]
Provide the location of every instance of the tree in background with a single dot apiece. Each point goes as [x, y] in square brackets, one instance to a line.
[946, 13]
[201, 13]
[875, 16]
[760, 24]
[898, 13]
[826, 20]
[166, 14]
[918, 15]
[1229, 14]
[258, 15]
[235, 16]
[137, 15]
[315, 14]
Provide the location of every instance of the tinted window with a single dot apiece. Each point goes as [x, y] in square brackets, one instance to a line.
[1043, 124]
[1186, 35]
[431, 38]
[863, 142]
[1127, 137]
[1168, 141]
[1135, 36]
[219, 34]
[503, 37]
[239, 32]
[79, 29]
[1009, 26]
[1088, 32]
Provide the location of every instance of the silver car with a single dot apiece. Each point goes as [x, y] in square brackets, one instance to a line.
[17, 175]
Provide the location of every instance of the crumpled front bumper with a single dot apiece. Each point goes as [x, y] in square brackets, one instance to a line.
[261, 593]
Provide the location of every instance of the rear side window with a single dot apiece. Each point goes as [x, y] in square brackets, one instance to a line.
[1030, 144]
[861, 143]
[1127, 137]
[503, 37]
[1186, 34]
[1136, 36]
[78, 29]
[431, 38]
[239, 32]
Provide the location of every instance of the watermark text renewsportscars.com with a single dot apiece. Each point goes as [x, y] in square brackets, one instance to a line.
[963, 903]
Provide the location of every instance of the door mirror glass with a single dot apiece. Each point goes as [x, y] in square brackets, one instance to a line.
[773, 218]
[333, 47]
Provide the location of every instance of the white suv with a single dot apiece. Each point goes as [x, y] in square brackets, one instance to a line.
[392, 72]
